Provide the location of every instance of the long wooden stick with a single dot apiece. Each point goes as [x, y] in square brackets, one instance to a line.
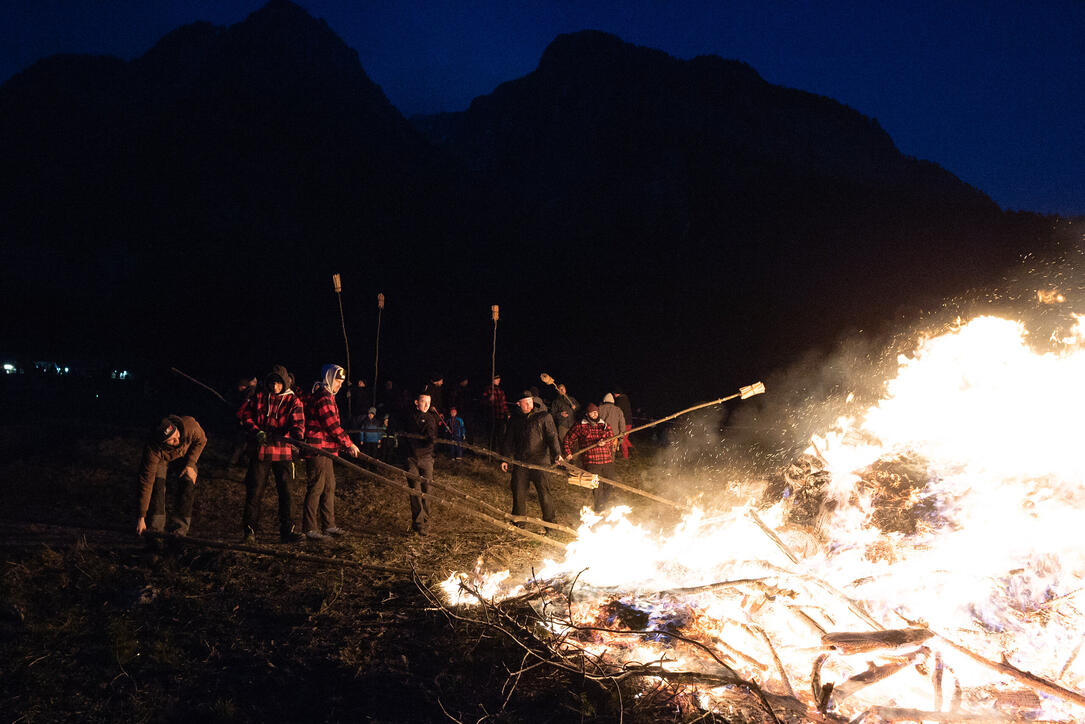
[756, 388]
[196, 381]
[412, 491]
[1028, 679]
[418, 493]
[549, 469]
[245, 548]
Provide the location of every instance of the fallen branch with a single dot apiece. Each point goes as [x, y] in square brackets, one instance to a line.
[258, 550]
[848, 642]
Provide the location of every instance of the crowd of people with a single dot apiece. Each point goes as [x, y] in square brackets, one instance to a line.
[278, 426]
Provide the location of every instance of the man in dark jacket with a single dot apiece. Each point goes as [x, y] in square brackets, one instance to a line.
[563, 409]
[420, 459]
[172, 451]
[531, 438]
[271, 415]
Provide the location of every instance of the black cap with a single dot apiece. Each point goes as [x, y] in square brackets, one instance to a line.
[165, 430]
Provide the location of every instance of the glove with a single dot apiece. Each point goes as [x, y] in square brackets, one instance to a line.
[261, 437]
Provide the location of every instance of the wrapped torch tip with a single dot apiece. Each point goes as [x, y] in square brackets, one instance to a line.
[757, 388]
[547, 379]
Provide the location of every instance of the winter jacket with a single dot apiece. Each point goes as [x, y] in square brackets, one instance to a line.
[587, 433]
[459, 430]
[193, 440]
[622, 401]
[372, 430]
[322, 425]
[532, 438]
[424, 424]
[566, 404]
[495, 404]
[281, 415]
[612, 415]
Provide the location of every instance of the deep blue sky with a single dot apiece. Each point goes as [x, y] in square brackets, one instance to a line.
[992, 90]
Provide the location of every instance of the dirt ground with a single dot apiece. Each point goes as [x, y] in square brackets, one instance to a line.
[96, 627]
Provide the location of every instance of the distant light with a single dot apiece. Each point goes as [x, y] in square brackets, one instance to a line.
[9, 368]
[66, 370]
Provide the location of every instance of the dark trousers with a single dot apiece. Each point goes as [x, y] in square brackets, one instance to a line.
[420, 505]
[184, 495]
[319, 513]
[256, 481]
[521, 477]
[602, 494]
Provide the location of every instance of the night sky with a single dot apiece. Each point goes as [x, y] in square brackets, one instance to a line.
[992, 91]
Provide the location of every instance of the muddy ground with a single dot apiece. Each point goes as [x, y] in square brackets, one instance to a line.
[96, 627]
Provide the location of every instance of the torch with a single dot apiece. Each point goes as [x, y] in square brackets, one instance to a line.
[337, 285]
[377, 346]
[494, 315]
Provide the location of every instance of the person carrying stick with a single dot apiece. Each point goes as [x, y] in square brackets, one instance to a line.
[323, 430]
[599, 460]
[532, 438]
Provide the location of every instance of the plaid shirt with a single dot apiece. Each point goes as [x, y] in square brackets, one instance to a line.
[493, 399]
[587, 433]
[322, 426]
[276, 415]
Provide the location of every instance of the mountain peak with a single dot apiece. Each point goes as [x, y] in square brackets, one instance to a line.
[590, 48]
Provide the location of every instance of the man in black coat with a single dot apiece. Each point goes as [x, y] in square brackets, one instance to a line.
[422, 422]
[531, 438]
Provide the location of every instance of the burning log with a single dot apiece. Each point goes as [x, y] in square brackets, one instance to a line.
[899, 714]
[847, 642]
[1030, 680]
[874, 674]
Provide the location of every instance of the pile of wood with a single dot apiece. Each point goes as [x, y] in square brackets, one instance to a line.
[898, 488]
[778, 645]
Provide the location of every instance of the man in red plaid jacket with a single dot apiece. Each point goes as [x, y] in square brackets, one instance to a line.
[496, 413]
[600, 459]
[323, 430]
[269, 416]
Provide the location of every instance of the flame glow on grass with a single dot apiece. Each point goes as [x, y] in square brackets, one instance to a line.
[996, 560]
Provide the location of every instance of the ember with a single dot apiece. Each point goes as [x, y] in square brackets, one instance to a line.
[920, 561]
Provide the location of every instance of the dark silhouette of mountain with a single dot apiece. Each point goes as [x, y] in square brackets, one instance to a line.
[228, 167]
[735, 219]
[677, 225]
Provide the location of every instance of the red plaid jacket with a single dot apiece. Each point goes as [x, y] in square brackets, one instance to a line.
[277, 415]
[585, 433]
[493, 399]
[322, 426]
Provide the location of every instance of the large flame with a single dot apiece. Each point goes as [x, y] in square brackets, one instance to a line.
[994, 560]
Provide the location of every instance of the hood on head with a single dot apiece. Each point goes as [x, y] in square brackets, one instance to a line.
[330, 373]
[608, 398]
[279, 372]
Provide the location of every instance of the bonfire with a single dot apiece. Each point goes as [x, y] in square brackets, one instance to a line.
[920, 562]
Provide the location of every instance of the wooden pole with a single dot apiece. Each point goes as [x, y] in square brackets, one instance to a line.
[495, 314]
[193, 379]
[550, 469]
[746, 392]
[338, 287]
[418, 493]
[377, 346]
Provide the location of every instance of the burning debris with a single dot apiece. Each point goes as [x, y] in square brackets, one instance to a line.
[919, 563]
